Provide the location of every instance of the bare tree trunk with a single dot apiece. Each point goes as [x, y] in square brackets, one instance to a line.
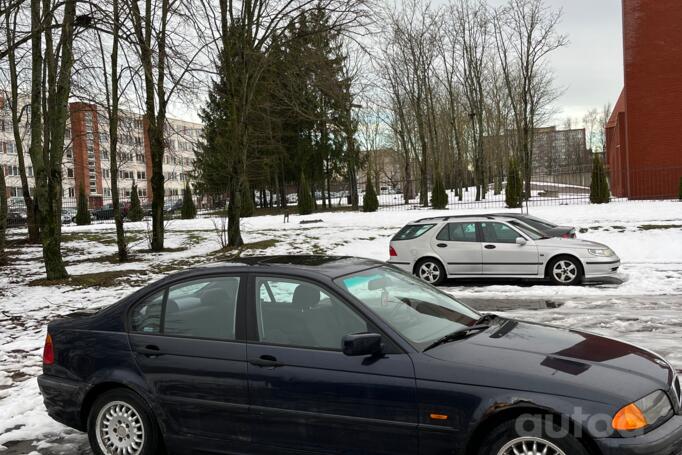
[32, 224]
[3, 218]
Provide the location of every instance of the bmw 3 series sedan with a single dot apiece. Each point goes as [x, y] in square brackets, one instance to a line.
[338, 355]
[492, 246]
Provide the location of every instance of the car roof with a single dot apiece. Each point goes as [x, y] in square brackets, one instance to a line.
[484, 216]
[328, 266]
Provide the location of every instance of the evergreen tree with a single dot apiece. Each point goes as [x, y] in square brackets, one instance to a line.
[680, 195]
[370, 202]
[82, 214]
[439, 197]
[189, 210]
[306, 203]
[135, 213]
[514, 190]
[497, 185]
[599, 188]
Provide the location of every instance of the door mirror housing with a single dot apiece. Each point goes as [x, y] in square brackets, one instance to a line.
[362, 344]
[521, 241]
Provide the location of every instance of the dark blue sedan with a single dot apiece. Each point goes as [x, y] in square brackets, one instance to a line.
[332, 355]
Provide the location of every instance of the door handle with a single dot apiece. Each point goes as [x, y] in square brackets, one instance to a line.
[490, 247]
[151, 350]
[442, 245]
[266, 361]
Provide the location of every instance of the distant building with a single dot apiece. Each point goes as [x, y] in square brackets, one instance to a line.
[644, 134]
[87, 160]
[560, 151]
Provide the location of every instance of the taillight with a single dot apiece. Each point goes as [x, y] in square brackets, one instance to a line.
[565, 236]
[392, 252]
[48, 351]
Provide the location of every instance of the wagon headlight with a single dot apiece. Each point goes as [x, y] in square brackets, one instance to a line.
[603, 252]
[643, 413]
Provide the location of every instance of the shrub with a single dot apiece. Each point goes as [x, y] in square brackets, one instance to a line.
[189, 210]
[135, 213]
[306, 204]
[439, 197]
[82, 214]
[680, 195]
[370, 202]
[514, 190]
[599, 188]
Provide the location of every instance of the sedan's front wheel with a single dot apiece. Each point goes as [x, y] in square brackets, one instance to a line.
[565, 271]
[121, 423]
[530, 436]
[431, 271]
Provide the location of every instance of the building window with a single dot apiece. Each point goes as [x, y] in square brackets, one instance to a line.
[107, 192]
[29, 171]
[71, 192]
[106, 173]
[15, 191]
[140, 158]
[141, 175]
[69, 172]
[12, 171]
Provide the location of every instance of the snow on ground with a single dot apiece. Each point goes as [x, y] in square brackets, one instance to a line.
[646, 309]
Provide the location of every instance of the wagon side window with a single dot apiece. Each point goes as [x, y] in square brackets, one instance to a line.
[146, 316]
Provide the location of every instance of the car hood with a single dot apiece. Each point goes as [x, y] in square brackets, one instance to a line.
[558, 242]
[543, 359]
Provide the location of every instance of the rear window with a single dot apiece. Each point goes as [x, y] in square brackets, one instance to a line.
[412, 231]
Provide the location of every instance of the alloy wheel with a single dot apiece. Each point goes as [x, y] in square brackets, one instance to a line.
[565, 271]
[530, 446]
[429, 272]
[119, 429]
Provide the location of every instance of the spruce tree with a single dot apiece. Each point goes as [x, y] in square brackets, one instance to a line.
[135, 213]
[370, 202]
[599, 188]
[82, 214]
[189, 210]
[439, 197]
[514, 190]
[306, 204]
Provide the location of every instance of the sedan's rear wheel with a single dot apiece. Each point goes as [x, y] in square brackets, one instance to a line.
[431, 271]
[121, 423]
[565, 271]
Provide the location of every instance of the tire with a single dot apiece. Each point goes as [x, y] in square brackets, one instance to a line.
[565, 271]
[430, 271]
[507, 437]
[131, 425]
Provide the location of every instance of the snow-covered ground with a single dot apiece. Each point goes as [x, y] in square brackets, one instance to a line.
[645, 309]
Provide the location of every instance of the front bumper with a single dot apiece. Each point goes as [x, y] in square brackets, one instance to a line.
[63, 399]
[601, 267]
[664, 440]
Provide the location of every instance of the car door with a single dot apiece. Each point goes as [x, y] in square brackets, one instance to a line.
[502, 255]
[306, 394]
[189, 342]
[460, 247]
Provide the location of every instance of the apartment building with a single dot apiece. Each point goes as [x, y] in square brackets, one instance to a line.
[87, 159]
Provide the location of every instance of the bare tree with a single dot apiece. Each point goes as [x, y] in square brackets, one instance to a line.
[526, 34]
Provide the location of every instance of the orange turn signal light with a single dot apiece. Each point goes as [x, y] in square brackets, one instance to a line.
[438, 417]
[629, 418]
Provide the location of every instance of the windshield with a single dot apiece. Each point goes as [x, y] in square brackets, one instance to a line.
[529, 231]
[539, 223]
[419, 312]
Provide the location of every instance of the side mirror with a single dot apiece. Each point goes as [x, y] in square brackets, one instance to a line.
[521, 241]
[361, 344]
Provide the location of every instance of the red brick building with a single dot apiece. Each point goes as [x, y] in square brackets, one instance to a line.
[644, 134]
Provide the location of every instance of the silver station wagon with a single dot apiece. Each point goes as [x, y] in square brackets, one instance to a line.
[496, 247]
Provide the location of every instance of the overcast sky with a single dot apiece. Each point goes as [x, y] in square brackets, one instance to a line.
[590, 68]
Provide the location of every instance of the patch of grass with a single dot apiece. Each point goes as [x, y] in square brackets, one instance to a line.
[232, 252]
[618, 228]
[90, 280]
[104, 239]
[651, 227]
[165, 250]
[107, 259]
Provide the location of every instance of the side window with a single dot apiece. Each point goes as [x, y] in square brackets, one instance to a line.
[204, 308]
[146, 316]
[301, 314]
[458, 232]
[499, 233]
